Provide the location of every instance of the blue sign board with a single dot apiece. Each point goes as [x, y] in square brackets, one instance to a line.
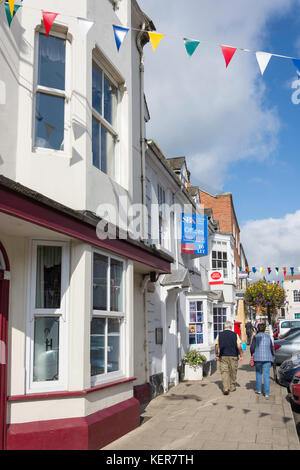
[194, 234]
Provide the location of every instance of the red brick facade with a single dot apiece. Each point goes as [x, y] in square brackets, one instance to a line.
[223, 211]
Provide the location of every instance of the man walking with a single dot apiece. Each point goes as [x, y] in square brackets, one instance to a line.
[249, 330]
[228, 350]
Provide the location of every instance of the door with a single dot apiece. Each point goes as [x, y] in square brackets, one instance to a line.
[4, 295]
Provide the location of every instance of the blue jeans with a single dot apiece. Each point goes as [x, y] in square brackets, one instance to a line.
[263, 369]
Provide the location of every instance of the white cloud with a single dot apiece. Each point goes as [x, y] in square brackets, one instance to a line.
[212, 115]
[273, 242]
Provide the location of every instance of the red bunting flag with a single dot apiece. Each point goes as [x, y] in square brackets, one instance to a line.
[228, 53]
[49, 19]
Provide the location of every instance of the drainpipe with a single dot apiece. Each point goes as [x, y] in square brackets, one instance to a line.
[146, 347]
[142, 126]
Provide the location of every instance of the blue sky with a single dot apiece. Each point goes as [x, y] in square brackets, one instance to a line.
[238, 130]
[271, 188]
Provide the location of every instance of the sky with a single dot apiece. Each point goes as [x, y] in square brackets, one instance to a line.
[239, 130]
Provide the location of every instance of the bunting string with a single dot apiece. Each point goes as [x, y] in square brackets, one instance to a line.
[120, 32]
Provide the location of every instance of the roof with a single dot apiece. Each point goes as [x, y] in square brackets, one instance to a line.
[288, 277]
[177, 277]
[176, 162]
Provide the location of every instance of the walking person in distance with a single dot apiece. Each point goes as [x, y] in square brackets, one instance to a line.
[249, 330]
[263, 350]
[228, 349]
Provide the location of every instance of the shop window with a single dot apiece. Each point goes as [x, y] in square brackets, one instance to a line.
[219, 314]
[107, 322]
[49, 287]
[219, 261]
[195, 322]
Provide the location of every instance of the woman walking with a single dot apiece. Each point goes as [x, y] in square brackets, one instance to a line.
[263, 350]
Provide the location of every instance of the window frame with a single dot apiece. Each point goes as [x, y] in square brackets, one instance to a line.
[66, 93]
[296, 296]
[217, 260]
[196, 300]
[113, 130]
[216, 307]
[121, 373]
[61, 313]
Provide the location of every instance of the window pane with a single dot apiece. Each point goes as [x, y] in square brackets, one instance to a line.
[113, 354]
[98, 346]
[48, 277]
[110, 102]
[97, 89]
[107, 152]
[214, 254]
[49, 122]
[224, 255]
[96, 143]
[52, 62]
[116, 287]
[199, 306]
[100, 282]
[46, 349]
[219, 255]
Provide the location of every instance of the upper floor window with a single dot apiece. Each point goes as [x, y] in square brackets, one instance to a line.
[219, 261]
[161, 199]
[296, 296]
[104, 133]
[50, 92]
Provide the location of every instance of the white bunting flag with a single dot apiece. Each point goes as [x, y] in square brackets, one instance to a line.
[84, 25]
[263, 58]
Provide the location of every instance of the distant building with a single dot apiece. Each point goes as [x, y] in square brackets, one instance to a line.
[291, 286]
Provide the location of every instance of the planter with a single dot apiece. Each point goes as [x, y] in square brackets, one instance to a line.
[193, 372]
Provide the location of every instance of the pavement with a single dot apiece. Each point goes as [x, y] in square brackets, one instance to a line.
[197, 416]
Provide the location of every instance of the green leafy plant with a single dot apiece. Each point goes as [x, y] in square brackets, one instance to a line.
[262, 295]
[194, 358]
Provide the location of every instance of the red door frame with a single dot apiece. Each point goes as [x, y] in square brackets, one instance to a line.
[4, 301]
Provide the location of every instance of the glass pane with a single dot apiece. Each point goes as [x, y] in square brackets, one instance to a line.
[49, 122]
[219, 255]
[98, 346]
[113, 354]
[48, 277]
[192, 329]
[192, 339]
[199, 317]
[199, 339]
[100, 282]
[192, 306]
[107, 152]
[214, 254]
[46, 349]
[97, 89]
[96, 143]
[52, 62]
[116, 286]
[192, 317]
[214, 264]
[224, 255]
[110, 102]
[199, 328]
[199, 306]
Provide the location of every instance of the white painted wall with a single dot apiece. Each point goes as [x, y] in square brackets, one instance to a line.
[291, 307]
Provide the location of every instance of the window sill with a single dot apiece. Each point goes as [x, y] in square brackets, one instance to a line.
[78, 393]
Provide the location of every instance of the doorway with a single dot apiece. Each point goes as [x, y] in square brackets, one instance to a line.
[4, 299]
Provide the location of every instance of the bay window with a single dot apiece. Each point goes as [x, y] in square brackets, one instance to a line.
[195, 322]
[107, 323]
[104, 133]
[50, 92]
[47, 316]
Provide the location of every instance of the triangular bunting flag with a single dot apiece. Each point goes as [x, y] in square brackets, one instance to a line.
[120, 34]
[11, 7]
[49, 19]
[254, 270]
[269, 270]
[262, 270]
[155, 39]
[263, 58]
[296, 63]
[292, 271]
[228, 53]
[10, 16]
[190, 45]
[247, 269]
[277, 269]
[84, 25]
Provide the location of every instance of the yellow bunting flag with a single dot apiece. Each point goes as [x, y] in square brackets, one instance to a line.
[155, 39]
[11, 7]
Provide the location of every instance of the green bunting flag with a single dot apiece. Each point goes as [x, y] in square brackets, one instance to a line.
[190, 45]
[8, 13]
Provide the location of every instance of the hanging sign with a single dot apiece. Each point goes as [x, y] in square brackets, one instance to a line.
[194, 234]
[215, 277]
[243, 275]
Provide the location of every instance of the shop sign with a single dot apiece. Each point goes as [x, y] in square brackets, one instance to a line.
[194, 234]
[215, 277]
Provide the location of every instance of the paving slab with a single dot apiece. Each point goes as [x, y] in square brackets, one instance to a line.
[197, 416]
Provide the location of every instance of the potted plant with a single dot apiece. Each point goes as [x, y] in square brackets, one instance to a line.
[193, 365]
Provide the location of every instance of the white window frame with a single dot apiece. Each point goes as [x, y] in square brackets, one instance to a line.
[296, 296]
[61, 313]
[121, 373]
[204, 333]
[114, 131]
[66, 94]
